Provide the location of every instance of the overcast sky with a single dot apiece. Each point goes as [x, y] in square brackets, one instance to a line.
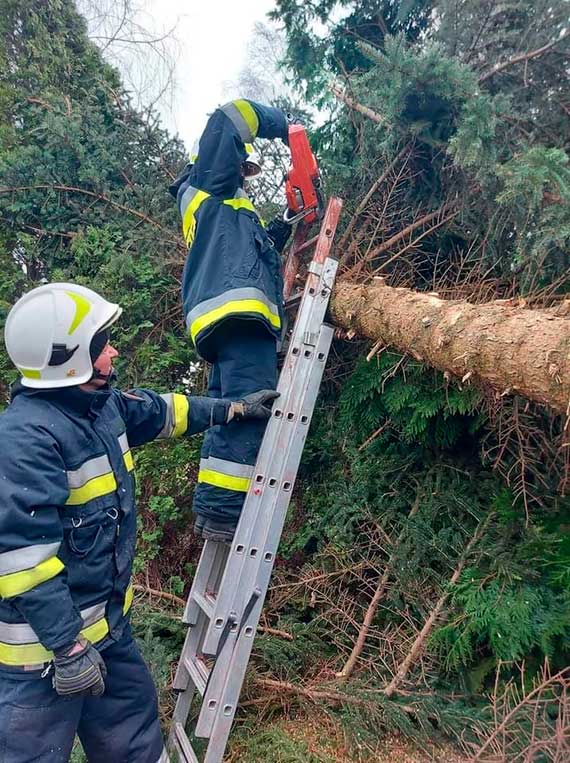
[213, 37]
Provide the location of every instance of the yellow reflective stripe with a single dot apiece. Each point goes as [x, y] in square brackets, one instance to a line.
[128, 459]
[97, 631]
[227, 481]
[30, 373]
[240, 204]
[82, 307]
[19, 582]
[95, 488]
[129, 593]
[189, 219]
[248, 113]
[36, 654]
[181, 407]
[234, 306]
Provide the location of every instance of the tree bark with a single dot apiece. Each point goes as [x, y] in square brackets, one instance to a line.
[501, 344]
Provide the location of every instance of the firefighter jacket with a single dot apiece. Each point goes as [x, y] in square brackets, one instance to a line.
[232, 268]
[67, 511]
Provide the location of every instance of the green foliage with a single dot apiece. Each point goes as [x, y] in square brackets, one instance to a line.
[425, 95]
[415, 400]
[511, 619]
[290, 659]
[323, 37]
[84, 186]
[427, 717]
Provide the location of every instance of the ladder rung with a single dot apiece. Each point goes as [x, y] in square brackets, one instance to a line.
[184, 744]
[293, 301]
[207, 603]
[307, 244]
[198, 672]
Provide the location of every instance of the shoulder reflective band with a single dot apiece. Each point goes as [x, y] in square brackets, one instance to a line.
[93, 479]
[225, 474]
[17, 583]
[19, 644]
[244, 119]
[240, 203]
[125, 450]
[177, 411]
[189, 204]
[233, 301]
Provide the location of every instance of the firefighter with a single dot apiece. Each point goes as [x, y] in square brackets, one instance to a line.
[68, 662]
[232, 294]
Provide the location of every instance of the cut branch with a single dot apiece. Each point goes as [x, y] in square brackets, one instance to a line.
[339, 93]
[512, 349]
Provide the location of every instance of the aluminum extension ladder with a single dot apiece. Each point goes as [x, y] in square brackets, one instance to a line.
[229, 588]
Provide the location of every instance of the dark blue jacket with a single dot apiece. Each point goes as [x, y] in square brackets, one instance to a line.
[232, 268]
[67, 511]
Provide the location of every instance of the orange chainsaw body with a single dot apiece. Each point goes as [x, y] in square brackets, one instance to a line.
[302, 186]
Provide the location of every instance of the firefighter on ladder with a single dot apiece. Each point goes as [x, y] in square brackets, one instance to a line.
[68, 662]
[232, 293]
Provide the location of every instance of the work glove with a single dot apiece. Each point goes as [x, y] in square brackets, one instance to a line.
[278, 231]
[79, 671]
[291, 119]
[254, 406]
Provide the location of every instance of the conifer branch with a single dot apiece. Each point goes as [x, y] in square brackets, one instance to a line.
[546, 686]
[350, 664]
[419, 643]
[98, 197]
[366, 198]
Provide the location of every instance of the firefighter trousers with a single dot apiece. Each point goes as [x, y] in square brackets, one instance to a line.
[121, 726]
[245, 360]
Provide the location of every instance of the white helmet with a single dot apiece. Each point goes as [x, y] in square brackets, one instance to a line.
[49, 330]
[252, 165]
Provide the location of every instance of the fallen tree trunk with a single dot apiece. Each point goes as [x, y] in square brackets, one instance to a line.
[510, 348]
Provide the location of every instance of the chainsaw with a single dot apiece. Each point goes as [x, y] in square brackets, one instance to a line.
[303, 182]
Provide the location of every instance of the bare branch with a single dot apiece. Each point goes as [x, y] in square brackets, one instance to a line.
[523, 57]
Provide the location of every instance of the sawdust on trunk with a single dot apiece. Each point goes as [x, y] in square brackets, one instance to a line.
[507, 346]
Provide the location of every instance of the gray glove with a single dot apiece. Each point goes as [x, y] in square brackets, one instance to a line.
[254, 406]
[79, 671]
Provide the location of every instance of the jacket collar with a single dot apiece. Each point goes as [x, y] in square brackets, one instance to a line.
[73, 398]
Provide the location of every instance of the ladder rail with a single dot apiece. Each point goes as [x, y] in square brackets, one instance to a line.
[216, 716]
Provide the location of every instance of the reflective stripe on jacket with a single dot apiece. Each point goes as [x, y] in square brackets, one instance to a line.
[232, 268]
[67, 511]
